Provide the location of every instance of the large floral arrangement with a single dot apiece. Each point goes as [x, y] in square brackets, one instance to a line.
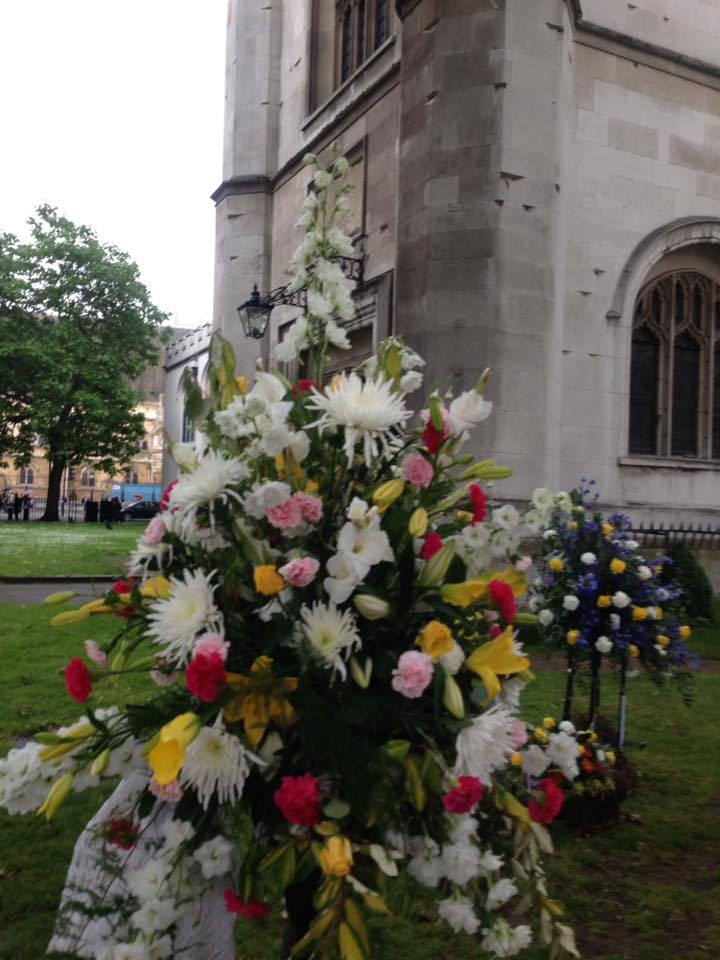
[597, 598]
[327, 607]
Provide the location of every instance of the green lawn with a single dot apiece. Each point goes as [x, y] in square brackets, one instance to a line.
[65, 549]
[647, 890]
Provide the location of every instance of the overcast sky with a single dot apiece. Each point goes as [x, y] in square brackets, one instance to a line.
[111, 111]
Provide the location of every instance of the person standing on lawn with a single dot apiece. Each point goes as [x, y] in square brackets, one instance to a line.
[27, 502]
[17, 507]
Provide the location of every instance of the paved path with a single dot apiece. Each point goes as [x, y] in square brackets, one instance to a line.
[36, 592]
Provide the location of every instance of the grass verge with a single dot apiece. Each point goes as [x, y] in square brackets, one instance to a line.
[65, 549]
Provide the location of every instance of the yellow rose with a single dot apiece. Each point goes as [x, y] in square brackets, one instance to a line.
[639, 613]
[605, 600]
[572, 637]
[516, 759]
[610, 757]
[435, 639]
[268, 581]
[608, 529]
[685, 632]
[336, 858]
[634, 652]
[618, 566]
[557, 565]
[663, 640]
[549, 723]
[541, 735]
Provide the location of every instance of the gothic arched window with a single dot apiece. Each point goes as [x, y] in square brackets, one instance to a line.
[362, 27]
[675, 368]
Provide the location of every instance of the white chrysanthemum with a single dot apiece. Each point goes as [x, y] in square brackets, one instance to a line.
[543, 499]
[189, 610]
[502, 940]
[369, 411]
[485, 744]
[294, 342]
[215, 857]
[563, 751]
[458, 913]
[209, 482]
[330, 633]
[511, 693]
[217, 764]
[563, 502]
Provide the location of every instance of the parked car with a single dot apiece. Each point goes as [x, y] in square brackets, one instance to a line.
[140, 510]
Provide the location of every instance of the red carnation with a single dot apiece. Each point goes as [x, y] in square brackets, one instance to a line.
[123, 588]
[433, 543]
[495, 631]
[546, 811]
[165, 501]
[206, 677]
[252, 910]
[78, 680]
[120, 832]
[305, 386]
[298, 799]
[465, 796]
[433, 437]
[479, 503]
[503, 598]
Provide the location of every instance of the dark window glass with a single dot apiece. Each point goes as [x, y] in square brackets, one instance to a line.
[697, 307]
[686, 373]
[188, 430]
[30, 476]
[71, 473]
[644, 391]
[679, 303]
[716, 405]
[717, 316]
[346, 45]
[656, 306]
[381, 22]
[361, 31]
[22, 476]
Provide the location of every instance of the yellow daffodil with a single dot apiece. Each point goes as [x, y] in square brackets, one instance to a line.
[639, 614]
[685, 632]
[605, 600]
[260, 699]
[268, 581]
[557, 565]
[435, 639]
[495, 659]
[387, 493]
[617, 566]
[336, 857]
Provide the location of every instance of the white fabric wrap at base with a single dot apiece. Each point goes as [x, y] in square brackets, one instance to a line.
[206, 930]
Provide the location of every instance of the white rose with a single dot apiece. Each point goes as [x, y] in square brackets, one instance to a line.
[644, 572]
[549, 534]
[566, 727]
[632, 544]
[603, 645]
[546, 617]
[570, 602]
[614, 621]
[620, 599]
[588, 559]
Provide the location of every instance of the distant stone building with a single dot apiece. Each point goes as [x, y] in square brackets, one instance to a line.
[537, 189]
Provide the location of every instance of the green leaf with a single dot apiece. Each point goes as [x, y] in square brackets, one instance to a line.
[376, 903]
[336, 809]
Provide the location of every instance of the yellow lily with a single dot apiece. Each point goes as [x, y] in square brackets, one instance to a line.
[157, 588]
[168, 755]
[495, 659]
[472, 591]
[260, 698]
[58, 792]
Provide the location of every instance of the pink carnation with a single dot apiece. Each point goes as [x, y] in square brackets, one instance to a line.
[300, 572]
[155, 531]
[523, 564]
[210, 643]
[519, 734]
[163, 678]
[170, 792]
[417, 470]
[412, 674]
[95, 654]
[286, 515]
[311, 507]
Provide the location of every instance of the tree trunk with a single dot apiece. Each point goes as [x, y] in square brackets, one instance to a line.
[57, 466]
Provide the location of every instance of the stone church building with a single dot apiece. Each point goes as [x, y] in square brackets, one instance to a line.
[537, 190]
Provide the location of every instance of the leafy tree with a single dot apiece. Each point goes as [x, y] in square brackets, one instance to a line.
[76, 326]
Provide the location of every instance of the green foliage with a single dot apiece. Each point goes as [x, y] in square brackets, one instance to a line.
[698, 592]
[76, 326]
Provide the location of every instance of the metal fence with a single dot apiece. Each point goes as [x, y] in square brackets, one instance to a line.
[72, 511]
[692, 535]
